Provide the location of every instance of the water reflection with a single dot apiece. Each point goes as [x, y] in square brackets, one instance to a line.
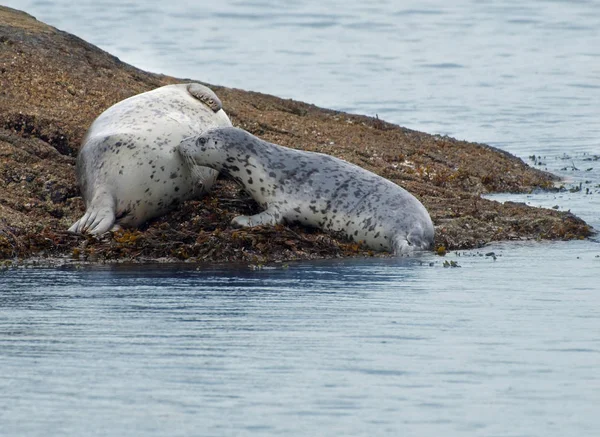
[378, 341]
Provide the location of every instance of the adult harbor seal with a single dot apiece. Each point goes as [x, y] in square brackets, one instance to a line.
[314, 189]
[128, 168]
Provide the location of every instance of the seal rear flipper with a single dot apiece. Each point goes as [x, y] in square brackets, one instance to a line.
[270, 216]
[417, 239]
[206, 96]
[401, 246]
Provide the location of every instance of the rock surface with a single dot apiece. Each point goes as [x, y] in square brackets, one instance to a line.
[53, 85]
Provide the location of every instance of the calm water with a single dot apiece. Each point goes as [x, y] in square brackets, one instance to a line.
[505, 345]
[353, 348]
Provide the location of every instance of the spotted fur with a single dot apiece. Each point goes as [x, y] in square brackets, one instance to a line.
[128, 168]
[314, 189]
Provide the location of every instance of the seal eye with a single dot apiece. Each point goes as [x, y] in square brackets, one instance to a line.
[201, 141]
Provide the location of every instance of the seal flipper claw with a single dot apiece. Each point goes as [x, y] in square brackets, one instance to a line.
[79, 226]
[206, 96]
[98, 219]
[270, 216]
[102, 225]
[93, 222]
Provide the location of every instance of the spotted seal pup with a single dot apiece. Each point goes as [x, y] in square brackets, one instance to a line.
[314, 189]
[128, 168]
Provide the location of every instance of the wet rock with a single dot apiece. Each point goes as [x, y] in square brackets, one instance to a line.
[53, 85]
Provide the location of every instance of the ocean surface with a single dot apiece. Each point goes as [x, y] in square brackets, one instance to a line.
[505, 344]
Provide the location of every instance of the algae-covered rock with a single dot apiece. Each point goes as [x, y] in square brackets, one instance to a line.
[53, 85]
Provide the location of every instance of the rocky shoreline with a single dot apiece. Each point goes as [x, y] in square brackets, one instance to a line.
[53, 85]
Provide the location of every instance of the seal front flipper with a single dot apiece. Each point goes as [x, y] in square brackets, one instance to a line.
[270, 216]
[206, 96]
[98, 218]
[93, 222]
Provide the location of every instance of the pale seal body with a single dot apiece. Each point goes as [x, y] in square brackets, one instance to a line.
[314, 189]
[128, 168]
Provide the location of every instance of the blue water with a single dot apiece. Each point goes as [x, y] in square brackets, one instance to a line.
[388, 347]
[505, 345]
